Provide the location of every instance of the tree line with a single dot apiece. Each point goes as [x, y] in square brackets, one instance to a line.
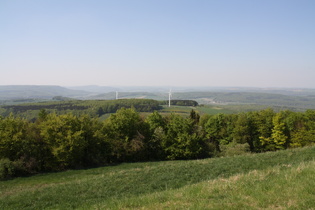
[176, 102]
[59, 142]
[94, 108]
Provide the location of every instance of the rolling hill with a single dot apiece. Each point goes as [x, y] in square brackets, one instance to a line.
[294, 99]
[37, 92]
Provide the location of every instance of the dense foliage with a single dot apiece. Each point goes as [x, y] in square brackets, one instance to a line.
[57, 142]
[180, 102]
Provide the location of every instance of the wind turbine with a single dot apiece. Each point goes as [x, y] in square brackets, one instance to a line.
[116, 95]
[169, 98]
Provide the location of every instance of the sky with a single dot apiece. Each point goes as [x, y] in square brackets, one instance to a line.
[215, 43]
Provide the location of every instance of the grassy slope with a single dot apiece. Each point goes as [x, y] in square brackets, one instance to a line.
[279, 187]
[269, 180]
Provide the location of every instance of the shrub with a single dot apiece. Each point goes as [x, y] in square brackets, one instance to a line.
[10, 169]
[234, 149]
[6, 169]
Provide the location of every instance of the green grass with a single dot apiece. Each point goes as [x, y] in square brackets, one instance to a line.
[185, 110]
[181, 110]
[214, 109]
[281, 179]
[280, 187]
[235, 108]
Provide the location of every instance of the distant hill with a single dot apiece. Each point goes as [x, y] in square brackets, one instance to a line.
[164, 89]
[124, 95]
[270, 99]
[10, 92]
[299, 99]
[301, 102]
[94, 88]
[107, 89]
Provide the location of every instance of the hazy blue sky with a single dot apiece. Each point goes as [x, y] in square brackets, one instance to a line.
[257, 43]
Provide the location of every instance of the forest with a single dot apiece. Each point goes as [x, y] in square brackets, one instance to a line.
[93, 108]
[56, 142]
[180, 102]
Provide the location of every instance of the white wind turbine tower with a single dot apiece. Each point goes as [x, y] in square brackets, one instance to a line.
[116, 95]
[169, 98]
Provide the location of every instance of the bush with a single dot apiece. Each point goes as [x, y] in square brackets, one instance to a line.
[234, 149]
[10, 169]
[6, 169]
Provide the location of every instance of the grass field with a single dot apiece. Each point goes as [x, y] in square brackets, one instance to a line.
[214, 109]
[283, 179]
[185, 110]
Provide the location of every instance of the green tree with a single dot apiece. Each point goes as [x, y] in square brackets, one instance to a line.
[128, 134]
[13, 141]
[245, 130]
[155, 120]
[278, 139]
[263, 123]
[302, 128]
[181, 141]
[65, 138]
[96, 150]
[42, 115]
[194, 116]
[17, 145]
[157, 126]
[219, 130]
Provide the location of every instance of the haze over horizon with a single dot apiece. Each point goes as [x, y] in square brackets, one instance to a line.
[203, 43]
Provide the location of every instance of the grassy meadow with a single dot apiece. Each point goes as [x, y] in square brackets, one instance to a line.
[273, 180]
[210, 109]
[216, 109]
